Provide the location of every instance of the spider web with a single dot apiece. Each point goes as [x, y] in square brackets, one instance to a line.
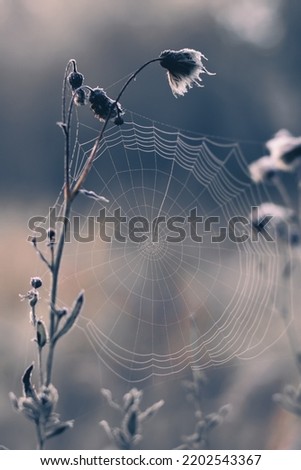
[155, 307]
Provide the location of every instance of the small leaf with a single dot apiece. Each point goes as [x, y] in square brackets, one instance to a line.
[59, 429]
[28, 388]
[151, 410]
[131, 424]
[41, 334]
[70, 320]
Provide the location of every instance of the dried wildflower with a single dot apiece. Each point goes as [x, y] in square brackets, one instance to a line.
[75, 80]
[39, 406]
[103, 106]
[285, 149]
[184, 68]
[263, 170]
[80, 97]
[36, 282]
[283, 222]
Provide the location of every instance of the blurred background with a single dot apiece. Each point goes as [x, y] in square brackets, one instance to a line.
[253, 46]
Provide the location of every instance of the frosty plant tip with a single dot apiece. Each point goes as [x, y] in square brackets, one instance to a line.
[184, 69]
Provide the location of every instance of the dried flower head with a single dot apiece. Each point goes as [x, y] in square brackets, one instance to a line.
[39, 406]
[75, 80]
[285, 149]
[36, 282]
[103, 106]
[184, 68]
[263, 170]
[80, 97]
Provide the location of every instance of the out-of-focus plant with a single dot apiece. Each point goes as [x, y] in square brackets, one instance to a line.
[129, 432]
[205, 423]
[284, 156]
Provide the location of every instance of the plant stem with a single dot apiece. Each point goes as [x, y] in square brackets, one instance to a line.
[49, 363]
[282, 191]
[290, 330]
[40, 366]
[54, 287]
[73, 63]
[40, 445]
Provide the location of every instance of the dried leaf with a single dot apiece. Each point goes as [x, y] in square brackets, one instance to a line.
[70, 320]
[59, 429]
[28, 388]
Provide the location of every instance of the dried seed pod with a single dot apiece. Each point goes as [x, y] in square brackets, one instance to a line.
[75, 80]
[36, 282]
[41, 334]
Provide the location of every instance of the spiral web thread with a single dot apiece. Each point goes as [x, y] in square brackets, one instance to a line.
[156, 307]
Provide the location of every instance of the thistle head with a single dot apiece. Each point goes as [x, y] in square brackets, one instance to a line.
[184, 68]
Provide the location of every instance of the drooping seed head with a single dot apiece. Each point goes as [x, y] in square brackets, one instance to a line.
[184, 68]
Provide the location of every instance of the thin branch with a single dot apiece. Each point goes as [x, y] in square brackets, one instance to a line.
[57, 264]
[73, 63]
[41, 440]
[42, 257]
[49, 363]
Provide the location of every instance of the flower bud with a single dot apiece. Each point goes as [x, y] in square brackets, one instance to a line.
[36, 282]
[75, 80]
[51, 235]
